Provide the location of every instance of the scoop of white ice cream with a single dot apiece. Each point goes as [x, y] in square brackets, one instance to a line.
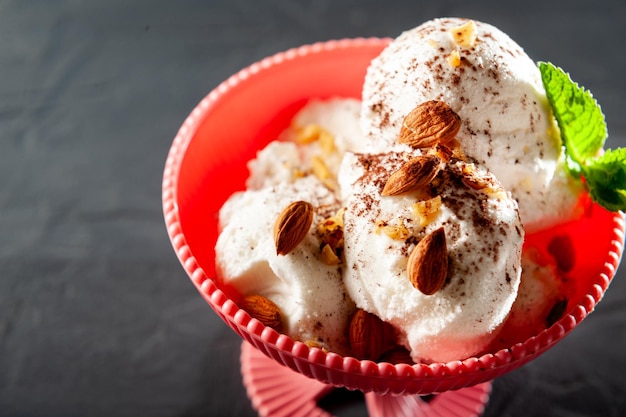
[484, 241]
[495, 88]
[339, 116]
[541, 289]
[320, 133]
[309, 292]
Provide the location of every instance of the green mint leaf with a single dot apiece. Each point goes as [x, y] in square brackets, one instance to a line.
[577, 113]
[610, 199]
[606, 179]
[612, 164]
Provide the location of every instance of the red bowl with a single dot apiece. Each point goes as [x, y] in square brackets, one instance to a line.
[207, 163]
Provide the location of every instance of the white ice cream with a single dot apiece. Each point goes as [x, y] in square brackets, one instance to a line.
[541, 289]
[309, 293]
[484, 237]
[289, 158]
[339, 153]
[497, 91]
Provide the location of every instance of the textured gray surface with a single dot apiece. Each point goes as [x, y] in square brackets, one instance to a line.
[97, 317]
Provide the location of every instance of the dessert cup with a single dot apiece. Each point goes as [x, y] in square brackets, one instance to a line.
[207, 163]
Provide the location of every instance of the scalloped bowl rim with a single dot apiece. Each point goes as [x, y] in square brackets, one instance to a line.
[315, 362]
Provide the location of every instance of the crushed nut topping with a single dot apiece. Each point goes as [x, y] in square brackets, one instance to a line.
[329, 256]
[454, 59]
[316, 133]
[484, 184]
[308, 134]
[397, 231]
[330, 231]
[464, 35]
[427, 210]
[321, 171]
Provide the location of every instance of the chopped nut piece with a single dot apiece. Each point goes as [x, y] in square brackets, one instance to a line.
[454, 59]
[441, 151]
[327, 142]
[484, 184]
[396, 232]
[427, 210]
[331, 230]
[379, 225]
[457, 152]
[321, 171]
[328, 256]
[470, 179]
[451, 150]
[316, 133]
[464, 35]
[308, 134]
[331, 235]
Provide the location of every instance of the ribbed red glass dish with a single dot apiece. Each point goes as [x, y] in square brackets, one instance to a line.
[207, 163]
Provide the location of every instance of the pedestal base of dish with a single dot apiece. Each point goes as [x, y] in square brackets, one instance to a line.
[277, 391]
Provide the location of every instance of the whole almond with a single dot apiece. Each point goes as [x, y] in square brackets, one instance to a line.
[428, 124]
[415, 173]
[292, 225]
[264, 310]
[366, 335]
[428, 263]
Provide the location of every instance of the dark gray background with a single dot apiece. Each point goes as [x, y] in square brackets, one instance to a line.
[97, 317]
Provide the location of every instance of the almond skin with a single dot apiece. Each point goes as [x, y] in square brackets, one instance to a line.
[292, 225]
[264, 310]
[428, 124]
[366, 335]
[427, 266]
[415, 173]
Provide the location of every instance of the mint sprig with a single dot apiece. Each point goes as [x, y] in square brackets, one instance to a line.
[606, 179]
[584, 132]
